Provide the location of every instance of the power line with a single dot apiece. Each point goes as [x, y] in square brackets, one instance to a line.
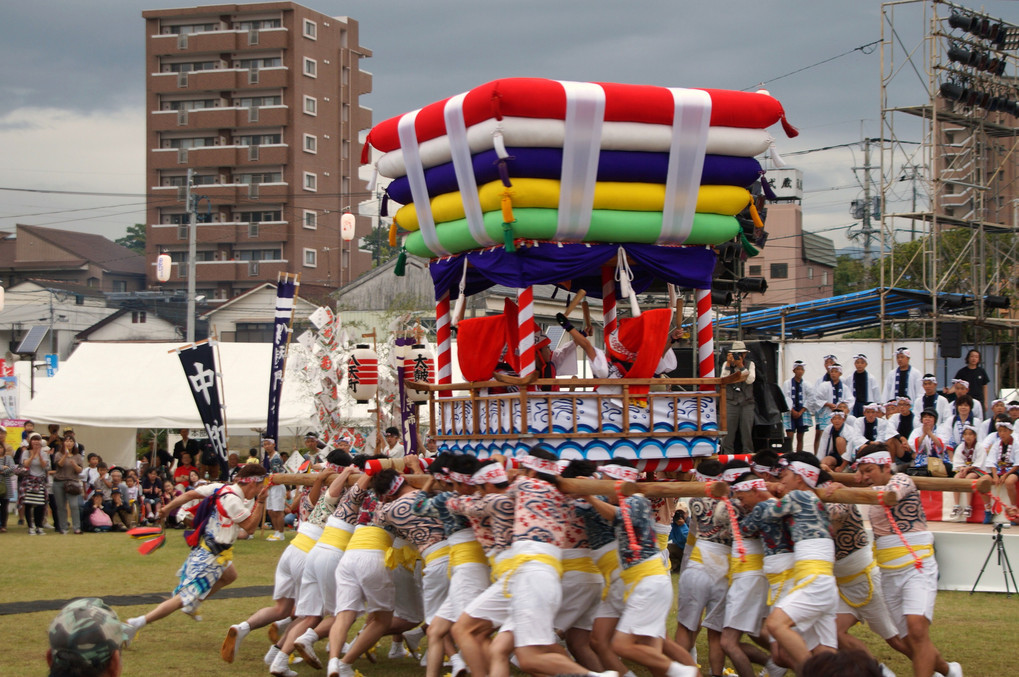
[865, 49]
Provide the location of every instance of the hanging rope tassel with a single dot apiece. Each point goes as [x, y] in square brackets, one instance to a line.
[392, 234]
[401, 264]
[624, 512]
[917, 560]
[625, 276]
[737, 535]
[461, 299]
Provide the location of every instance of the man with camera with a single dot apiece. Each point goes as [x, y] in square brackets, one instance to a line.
[739, 399]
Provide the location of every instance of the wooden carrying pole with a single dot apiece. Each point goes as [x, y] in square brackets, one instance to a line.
[858, 496]
[983, 485]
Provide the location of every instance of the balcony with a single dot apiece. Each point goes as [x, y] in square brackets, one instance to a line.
[220, 156]
[222, 79]
[229, 193]
[233, 271]
[226, 117]
[218, 41]
[169, 235]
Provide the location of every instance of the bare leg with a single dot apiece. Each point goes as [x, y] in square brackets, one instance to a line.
[781, 627]
[644, 650]
[546, 660]
[469, 633]
[338, 633]
[280, 610]
[502, 648]
[601, 641]
[437, 632]
[716, 657]
[926, 659]
[578, 641]
[374, 628]
[734, 650]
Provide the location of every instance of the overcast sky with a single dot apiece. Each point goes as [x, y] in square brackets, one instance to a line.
[72, 92]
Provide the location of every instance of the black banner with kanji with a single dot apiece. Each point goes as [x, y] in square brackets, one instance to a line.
[199, 362]
[286, 292]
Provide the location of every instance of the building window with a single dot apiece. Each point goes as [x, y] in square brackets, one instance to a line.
[254, 332]
[310, 105]
[310, 258]
[310, 143]
[120, 285]
[824, 278]
[779, 270]
[310, 67]
[810, 272]
[310, 181]
[310, 219]
[137, 317]
[755, 270]
[310, 29]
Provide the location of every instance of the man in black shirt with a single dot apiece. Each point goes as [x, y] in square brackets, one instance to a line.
[185, 444]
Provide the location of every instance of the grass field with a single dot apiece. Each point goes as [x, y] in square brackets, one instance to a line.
[976, 631]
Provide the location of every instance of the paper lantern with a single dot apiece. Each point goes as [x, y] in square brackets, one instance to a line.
[418, 365]
[363, 373]
[347, 225]
[163, 266]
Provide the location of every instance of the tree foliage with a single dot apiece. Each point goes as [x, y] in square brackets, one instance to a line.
[134, 239]
[377, 242]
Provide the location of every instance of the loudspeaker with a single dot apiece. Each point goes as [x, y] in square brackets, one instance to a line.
[951, 339]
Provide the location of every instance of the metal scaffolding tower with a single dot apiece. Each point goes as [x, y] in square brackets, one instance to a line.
[950, 128]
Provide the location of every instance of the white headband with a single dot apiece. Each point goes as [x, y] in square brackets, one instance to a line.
[394, 487]
[732, 474]
[835, 367]
[460, 477]
[764, 469]
[540, 465]
[932, 379]
[620, 472]
[902, 351]
[809, 473]
[872, 406]
[756, 484]
[1003, 424]
[493, 473]
[877, 458]
[861, 356]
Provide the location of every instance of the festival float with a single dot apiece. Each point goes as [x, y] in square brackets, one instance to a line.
[602, 190]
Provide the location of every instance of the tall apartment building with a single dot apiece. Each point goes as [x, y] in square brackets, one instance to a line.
[261, 101]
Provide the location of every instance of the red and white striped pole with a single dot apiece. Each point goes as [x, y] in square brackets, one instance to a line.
[608, 302]
[525, 327]
[444, 359]
[705, 335]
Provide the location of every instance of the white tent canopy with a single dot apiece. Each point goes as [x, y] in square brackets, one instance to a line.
[142, 385]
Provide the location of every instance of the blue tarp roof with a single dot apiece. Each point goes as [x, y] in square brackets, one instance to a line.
[838, 314]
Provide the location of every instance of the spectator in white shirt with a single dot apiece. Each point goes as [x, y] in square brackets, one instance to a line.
[968, 463]
[904, 380]
[930, 398]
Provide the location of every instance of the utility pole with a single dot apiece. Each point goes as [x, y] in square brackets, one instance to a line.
[192, 254]
[864, 210]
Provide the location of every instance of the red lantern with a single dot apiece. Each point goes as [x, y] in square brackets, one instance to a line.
[363, 373]
[418, 365]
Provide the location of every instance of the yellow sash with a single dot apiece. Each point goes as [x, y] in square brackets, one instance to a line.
[691, 538]
[780, 580]
[663, 541]
[432, 556]
[652, 566]
[510, 565]
[470, 552]
[224, 558]
[303, 542]
[845, 580]
[585, 564]
[806, 570]
[886, 555]
[370, 538]
[607, 563]
[338, 538]
[754, 562]
[405, 556]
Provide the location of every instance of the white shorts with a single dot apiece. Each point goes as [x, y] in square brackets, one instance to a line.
[289, 571]
[910, 591]
[491, 605]
[647, 607]
[863, 589]
[469, 581]
[535, 596]
[277, 498]
[434, 582]
[408, 603]
[701, 591]
[746, 603]
[581, 598]
[318, 584]
[611, 605]
[363, 583]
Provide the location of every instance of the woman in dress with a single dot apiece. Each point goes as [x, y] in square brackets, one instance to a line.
[36, 460]
[67, 485]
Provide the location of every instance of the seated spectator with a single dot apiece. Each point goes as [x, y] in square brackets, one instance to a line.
[103, 485]
[962, 415]
[97, 517]
[925, 443]
[872, 427]
[182, 473]
[232, 466]
[152, 490]
[968, 462]
[904, 421]
[987, 426]
[839, 442]
[133, 495]
[120, 512]
[169, 493]
[85, 640]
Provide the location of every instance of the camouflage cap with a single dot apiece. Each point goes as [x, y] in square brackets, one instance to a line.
[86, 630]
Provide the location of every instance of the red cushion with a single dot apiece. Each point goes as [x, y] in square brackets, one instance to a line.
[541, 98]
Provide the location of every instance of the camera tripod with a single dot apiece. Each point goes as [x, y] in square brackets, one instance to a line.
[1006, 567]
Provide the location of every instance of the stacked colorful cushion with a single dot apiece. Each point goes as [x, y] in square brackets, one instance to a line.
[583, 162]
